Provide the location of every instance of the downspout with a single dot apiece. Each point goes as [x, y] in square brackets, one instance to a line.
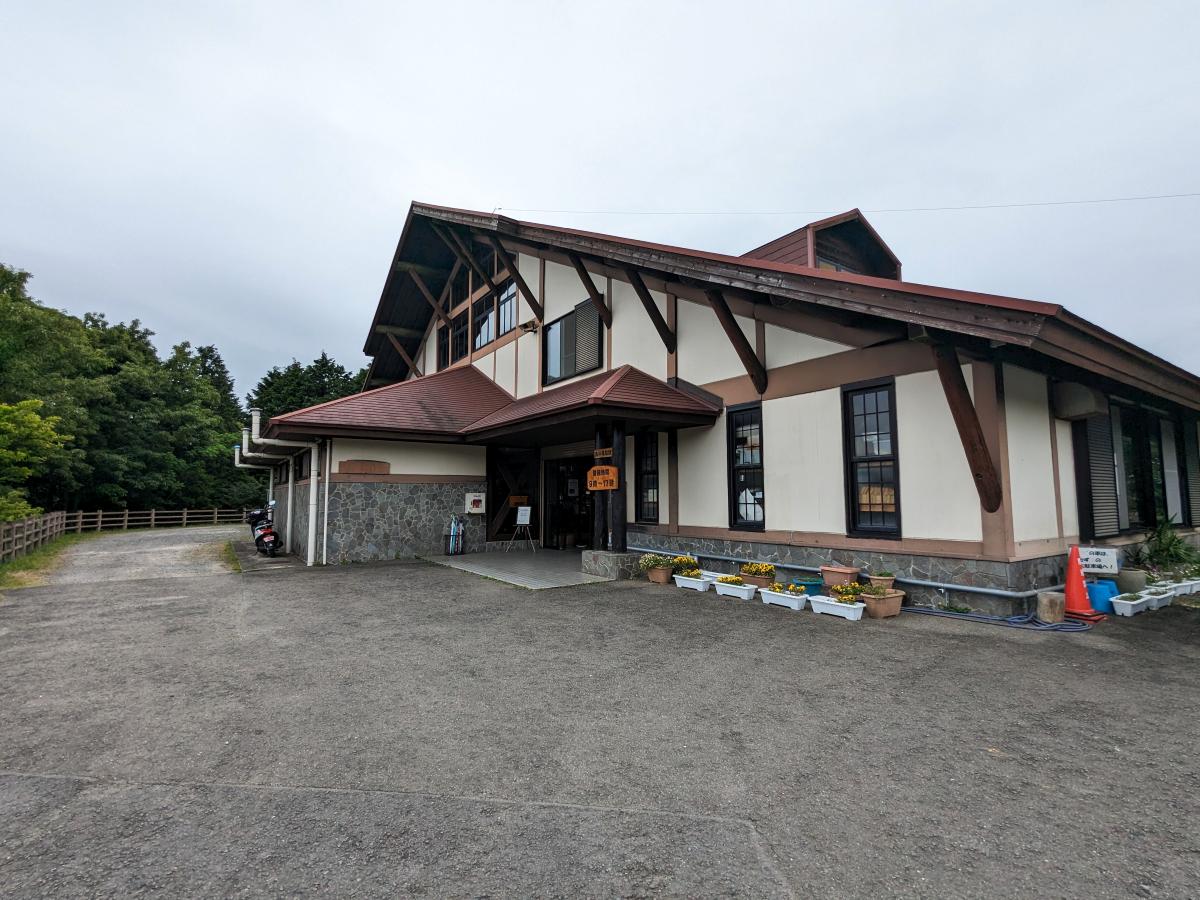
[314, 481]
[325, 520]
[237, 460]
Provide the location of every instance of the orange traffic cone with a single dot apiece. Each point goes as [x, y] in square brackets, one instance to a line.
[1078, 604]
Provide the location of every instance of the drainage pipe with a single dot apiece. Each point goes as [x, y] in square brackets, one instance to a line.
[314, 476]
[325, 519]
[937, 585]
[237, 460]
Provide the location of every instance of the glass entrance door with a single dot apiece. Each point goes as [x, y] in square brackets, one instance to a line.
[568, 506]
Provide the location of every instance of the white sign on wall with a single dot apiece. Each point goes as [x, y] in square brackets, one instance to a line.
[1098, 560]
[475, 503]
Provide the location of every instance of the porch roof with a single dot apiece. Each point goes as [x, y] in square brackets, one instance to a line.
[464, 405]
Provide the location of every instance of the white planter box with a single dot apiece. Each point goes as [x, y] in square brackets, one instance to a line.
[1159, 599]
[1130, 607]
[851, 611]
[711, 576]
[783, 598]
[741, 591]
[692, 584]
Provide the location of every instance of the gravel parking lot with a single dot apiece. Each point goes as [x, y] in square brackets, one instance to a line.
[406, 728]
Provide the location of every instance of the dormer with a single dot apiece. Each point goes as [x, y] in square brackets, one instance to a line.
[842, 243]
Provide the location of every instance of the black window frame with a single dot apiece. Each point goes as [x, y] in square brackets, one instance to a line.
[547, 380]
[483, 312]
[460, 336]
[733, 416]
[443, 347]
[506, 308]
[854, 528]
[646, 477]
[1142, 426]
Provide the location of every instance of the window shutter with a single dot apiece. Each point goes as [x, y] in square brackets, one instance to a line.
[587, 337]
[1102, 477]
[1192, 464]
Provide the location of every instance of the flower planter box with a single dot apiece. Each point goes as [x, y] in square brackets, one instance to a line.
[838, 574]
[783, 598]
[711, 576]
[883, 607]
[1157, 599]
[741, 591]
[759, 581]
[659, 574]
[1130, 607]
[851, 611]
[812, 586]
[885, 581]
[692, 584]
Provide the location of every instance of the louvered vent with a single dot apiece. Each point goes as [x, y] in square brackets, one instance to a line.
[1192, 461]
[1105, 518]
[587, 337]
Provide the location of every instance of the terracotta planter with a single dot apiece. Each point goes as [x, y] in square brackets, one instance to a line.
[838, 574]
[885, 581]
[659, 574]
[883, 607]
[761, 581]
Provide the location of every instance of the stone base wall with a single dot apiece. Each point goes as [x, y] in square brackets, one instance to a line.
[372, 521]
[1025, 575]
[613, 566]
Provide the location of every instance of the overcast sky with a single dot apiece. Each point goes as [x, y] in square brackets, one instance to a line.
[238, 173]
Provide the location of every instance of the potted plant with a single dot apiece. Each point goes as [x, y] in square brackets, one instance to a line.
[734, 586]
[882, 602]
[1159, 596]
[883, 579]
[758, 574]
[1129, 604]
[692, 580]
[844, 602]
[683, 564]
[658, 568]
[792, 596]
[838, 575]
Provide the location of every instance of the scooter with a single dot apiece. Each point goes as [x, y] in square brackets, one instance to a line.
[262, 529]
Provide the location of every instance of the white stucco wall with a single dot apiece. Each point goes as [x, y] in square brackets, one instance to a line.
[564, 290]
[1066, 478]
[703, 481]
[937, 491]
[635, 340]
[506, 367]
[1030, 461]
[486, 364]
[785, 346]
[528, 375]
[704, 352]
[530, 269]
[413, 458]
[803, 474]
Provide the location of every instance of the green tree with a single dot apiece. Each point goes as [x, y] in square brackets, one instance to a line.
[28, 441]
[295, 386]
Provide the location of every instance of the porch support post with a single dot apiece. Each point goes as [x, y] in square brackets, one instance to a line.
[599, 502]
[970, 432]
[616, 504]
[746, 353]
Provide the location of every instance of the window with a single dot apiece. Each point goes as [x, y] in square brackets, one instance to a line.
[746, 500]
[508, 307]
[824, 262]
[460, 288]
[872, 475]
[443, 347]
[484, 321]
[572, 344]
[458, 337]
[645, 449]
[1149, 489]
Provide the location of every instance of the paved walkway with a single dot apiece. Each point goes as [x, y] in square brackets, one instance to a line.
[537, 571]
[150, 553]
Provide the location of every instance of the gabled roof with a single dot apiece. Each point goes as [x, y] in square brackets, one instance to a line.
[461, 403]
[785, 248]
[440, 404]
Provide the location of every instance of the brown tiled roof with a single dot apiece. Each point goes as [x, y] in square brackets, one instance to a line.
[624, 387]
[462, 401]
[443, 403]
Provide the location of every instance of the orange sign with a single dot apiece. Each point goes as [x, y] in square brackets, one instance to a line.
[602, 478]
[518, 500]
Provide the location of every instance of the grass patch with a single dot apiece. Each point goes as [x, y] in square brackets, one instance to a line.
[32, 568]
[229, 557]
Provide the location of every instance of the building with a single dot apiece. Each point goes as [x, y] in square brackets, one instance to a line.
[798, 404]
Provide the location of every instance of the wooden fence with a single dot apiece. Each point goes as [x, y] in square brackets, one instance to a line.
[22, 535]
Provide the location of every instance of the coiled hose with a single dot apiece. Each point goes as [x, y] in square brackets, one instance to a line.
[1028, 622]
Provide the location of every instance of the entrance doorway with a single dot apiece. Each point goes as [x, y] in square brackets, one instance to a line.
[512, 481]
[568, 508]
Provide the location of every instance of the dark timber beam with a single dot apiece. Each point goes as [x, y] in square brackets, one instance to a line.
[399, 331]
[459, 248]
[970, 432]
[511, 264]
[754, 367]
[590, 286]
[423, 271]
[441, 300]
[399, 348]
[652, 310]
[428, 295]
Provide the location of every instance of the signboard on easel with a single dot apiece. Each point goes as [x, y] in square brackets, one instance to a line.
[1098, 560]
[523, 514]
